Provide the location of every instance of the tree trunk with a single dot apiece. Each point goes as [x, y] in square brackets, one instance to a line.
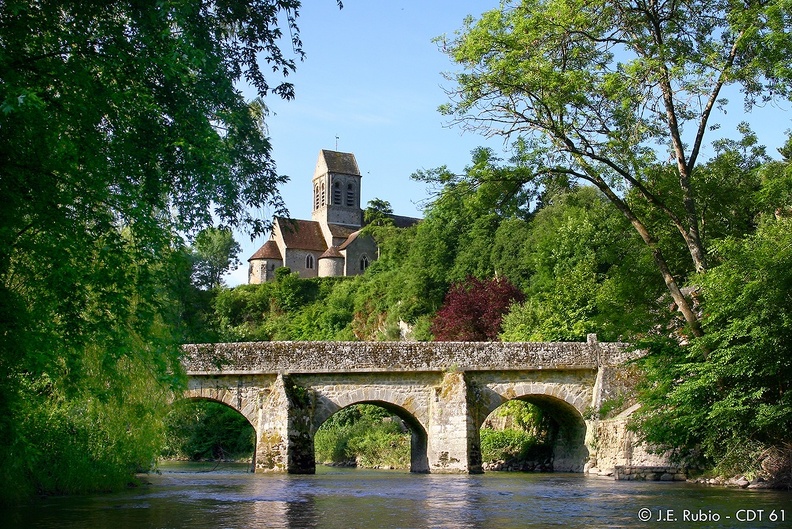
[683, 305]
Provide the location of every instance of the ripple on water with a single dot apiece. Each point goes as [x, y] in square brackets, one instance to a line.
[348, 498]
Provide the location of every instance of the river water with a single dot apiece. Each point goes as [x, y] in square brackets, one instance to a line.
[187, 496]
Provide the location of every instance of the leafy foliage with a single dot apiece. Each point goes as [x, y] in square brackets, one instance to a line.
[506, 445]
[732, 387]
[376, 213]
[584, 272]
[602, 91]
[120, 126]
[215, 252]
[523, 434]
[364, 435]
[473, 310]
[288, 309]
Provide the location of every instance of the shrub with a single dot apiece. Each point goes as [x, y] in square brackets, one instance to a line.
[365, 435]
[473, 310]
[505, 445]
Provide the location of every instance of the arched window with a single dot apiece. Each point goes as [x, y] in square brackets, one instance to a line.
[337, 193]
[364, 263]
[350, 195]
[322, 201]
[316, 196]
[309, 262]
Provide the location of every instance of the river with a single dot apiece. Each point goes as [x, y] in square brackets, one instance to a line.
[189, 496]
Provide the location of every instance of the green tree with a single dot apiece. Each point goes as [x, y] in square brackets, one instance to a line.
[120, 126]
[728, 398]
[604, 91]
[584, 272]
[215, 252]
[378, 213]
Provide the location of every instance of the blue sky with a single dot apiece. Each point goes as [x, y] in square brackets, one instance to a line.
[373, 77]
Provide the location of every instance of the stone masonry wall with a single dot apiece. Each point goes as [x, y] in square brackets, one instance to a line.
[350, 357]
[615, 451]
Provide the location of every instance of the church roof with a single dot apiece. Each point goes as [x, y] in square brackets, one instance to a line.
[332, 253]
[401, 221]
[349, 240]
[340, 231]
[338, 162]
[269, 250]
[302, 234]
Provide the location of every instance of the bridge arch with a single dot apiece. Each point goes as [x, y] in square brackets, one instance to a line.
[400, 405]
[230, 398]
[218, 398]
[563, 406]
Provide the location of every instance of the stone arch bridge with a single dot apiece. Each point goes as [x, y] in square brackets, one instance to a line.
[444, 392]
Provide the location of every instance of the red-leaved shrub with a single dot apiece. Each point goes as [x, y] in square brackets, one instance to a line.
[473, 309]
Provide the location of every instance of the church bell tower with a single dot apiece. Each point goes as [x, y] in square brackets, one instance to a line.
[336, 189]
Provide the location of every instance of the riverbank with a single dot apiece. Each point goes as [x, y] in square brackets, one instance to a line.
[763, 481]
[742, 482]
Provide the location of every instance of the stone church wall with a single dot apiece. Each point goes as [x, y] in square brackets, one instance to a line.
[261, 271]
[363, 245]
[331, 267]
[295, 260]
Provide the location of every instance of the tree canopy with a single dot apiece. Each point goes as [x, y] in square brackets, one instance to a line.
[121, 129]
[214, 253]
[607, 91]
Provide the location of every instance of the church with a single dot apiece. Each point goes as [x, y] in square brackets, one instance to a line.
[331, 243]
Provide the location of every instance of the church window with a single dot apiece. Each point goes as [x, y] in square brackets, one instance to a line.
[309, 261]
[316, 197]
[337, 193]
[364, 263]
[322, 201]
[350, 196]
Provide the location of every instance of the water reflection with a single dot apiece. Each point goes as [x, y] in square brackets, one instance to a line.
[343, 498]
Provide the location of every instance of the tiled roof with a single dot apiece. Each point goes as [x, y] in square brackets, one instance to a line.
[340, 231]
[331, 252]
[302, 234]
[340, 162]
[269, 250]
[404, 222]
[349, 240]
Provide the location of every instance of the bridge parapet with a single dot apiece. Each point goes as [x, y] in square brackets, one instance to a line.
[367, 357]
